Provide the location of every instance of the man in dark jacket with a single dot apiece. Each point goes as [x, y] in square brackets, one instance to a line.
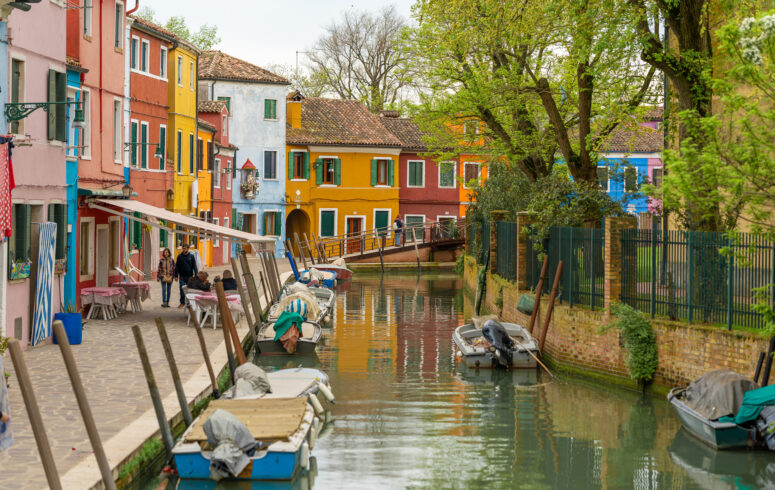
[185, 269]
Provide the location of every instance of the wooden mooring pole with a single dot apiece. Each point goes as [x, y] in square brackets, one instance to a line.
[158, 407]
[309, 249]
[165, 343]
[301, 250]
[243, 294]
[33, 411]
[83, 405]
[539, 290]
[206, 355]
[228, 323]
[550, 307]
[264, 287]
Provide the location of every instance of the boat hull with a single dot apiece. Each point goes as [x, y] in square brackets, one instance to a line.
[480, 357]
[271, 466]
[275, 347]
[342, 273]
[717, 435]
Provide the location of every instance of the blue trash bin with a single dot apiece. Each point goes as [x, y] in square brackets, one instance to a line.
[73, 327]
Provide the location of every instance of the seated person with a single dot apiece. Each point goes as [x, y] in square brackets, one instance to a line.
[229, 283]
[199, 282]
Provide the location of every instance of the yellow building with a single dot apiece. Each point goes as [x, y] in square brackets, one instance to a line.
[204, 185]
[182, 130]
[342, 168]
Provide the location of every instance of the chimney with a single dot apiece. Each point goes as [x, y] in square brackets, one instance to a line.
[293, 109]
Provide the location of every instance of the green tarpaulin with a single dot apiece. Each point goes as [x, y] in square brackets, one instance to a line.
[753, 402]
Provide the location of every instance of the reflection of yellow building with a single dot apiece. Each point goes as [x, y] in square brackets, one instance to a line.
[342, 168]
[182, 131]
[204, 184]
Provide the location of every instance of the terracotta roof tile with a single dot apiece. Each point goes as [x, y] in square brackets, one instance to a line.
[406, 131]
[248, 165]
[211, 105]
[339, 122]
[206, 125]
[641, 140]
[155, 27]
[215, 65]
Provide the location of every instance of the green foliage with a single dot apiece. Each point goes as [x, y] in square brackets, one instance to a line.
[639, 341]
[224, 380]
[148, 451]
[310, 82]
[205, 38]
[460, 264]
[3, 344]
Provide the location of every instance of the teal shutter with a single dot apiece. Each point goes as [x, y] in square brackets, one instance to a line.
[133, 136]
[191, 154]
[61, 110]
[138, 232]
[374, 171]
[390, 173]
[318, 171]
[338, 171]
[327, 223]
[234, 223]
[23, 227]
[306, 165]
[264, 230]
[291, 165]
[163, 147]
[163, 237]
[144, 148]
[278, 225]
[267, 109]
[51, 110]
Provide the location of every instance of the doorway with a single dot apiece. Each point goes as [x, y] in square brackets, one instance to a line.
[297, 223]
[103, 246]
[354, 227]
[248, 225]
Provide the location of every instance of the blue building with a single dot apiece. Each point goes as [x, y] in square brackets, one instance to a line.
[255, 99]
[72, 153]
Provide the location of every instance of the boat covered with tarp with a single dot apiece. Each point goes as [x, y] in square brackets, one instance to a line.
[487, 342]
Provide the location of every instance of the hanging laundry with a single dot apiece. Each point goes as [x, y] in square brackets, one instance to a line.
[7, 184]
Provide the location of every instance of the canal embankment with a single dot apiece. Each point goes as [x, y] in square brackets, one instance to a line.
[576, 342]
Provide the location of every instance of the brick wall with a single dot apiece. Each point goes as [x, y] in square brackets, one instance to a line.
[574, 340]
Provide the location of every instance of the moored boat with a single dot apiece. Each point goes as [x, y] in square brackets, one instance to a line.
[512, 348]
[718, 435]
[342, 273]
[310, 335]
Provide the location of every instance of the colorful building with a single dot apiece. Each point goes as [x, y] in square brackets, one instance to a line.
[255, 100]
[151, 173]
[204, 186]
[216, 114]
[428, 190]
[343, 172]
[36, 61]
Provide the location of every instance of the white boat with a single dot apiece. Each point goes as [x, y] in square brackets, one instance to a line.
[475, 350]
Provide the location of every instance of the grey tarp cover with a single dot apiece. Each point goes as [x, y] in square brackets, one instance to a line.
[231, 440]
[717, 393]
[250, 380]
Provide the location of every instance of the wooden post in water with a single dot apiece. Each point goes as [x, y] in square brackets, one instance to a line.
[244, 299]
[206, 355]
[165, 343]
[83, 405]
[309, 249]
[269, 270]
[276, 272]
[416, 252]
[321, 249]
[550, 307]
[33, 412]
[250, 284]
[158, 407]
[265, 269]
[228, 322]
[539, 289]
[265, 288]
[301, 250]
[379, 247]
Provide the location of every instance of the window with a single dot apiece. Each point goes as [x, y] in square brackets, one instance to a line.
[630, 179]
[602, 177]
[210, 155]
[86, 248]
[447, 175]
[656, 176]
[225, 222]
[86, 131]
[298, 162]
[327, 223]
[415, 173]
[228, 102]
[191, 154]
[119, 25]
[414, 224]
[87, 16]
[326, 170]
[163, 63]
[144, 145]
[58, 214]
[199, 154]
[145, 53]
[382, 172]
[115, 249]
[216, 242]
[227, 177]
[133, 134]
[217, 172]
[272, 223]
[72, 139]
[17, 92]
[133, 53]
[470, 173]
[19, 241]
[180, 152]
[270, 109]
[180, 71]
[118, 148]
[191, 76]
[225, 125]
[162, 147]
[270, 165]
[57, 115]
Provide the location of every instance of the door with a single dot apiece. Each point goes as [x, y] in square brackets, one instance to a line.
[381, 223]
[354, 229]
[248, 225]
[103, 248]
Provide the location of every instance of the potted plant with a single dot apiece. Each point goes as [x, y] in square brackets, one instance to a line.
[72, 319]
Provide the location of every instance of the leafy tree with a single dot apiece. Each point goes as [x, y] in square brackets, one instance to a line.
[311, 83]
[205, 38]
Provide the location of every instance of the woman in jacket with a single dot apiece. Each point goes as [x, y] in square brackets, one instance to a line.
[165, 275]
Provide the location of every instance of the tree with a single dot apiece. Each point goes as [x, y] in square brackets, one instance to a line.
[205, 38]
[546, 78]
[311, 83]
[358, 58]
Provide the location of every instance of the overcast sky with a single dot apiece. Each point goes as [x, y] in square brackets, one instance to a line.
[265, 31]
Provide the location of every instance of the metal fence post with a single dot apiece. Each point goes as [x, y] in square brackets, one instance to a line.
[592, 269]
[571, 269]
[690, 261]
[730, 284]
[653, 302]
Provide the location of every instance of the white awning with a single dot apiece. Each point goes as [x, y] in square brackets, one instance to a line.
[191, 225]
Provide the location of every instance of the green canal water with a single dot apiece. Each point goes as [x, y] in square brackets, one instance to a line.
[407, 416]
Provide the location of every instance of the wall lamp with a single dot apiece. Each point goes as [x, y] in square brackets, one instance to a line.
[157, 154]
[16, 111]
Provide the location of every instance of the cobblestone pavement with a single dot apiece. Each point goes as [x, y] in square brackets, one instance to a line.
[113, 377]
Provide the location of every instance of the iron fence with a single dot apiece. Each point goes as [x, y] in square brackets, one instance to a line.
[706, 277]
[484, 244]
[506, 258]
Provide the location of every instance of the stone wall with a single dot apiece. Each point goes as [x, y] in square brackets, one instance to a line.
[574, 341]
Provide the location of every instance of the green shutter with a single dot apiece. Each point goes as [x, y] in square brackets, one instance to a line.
[133, 136]
[306, 164]
[278, 225]
[163, 147]
[23, 242]
[58, 214]
[234, 219]
[291, 165]
[191, 154]
[267, 109]
[318, 171]
[266, 232]
[390, 173]
[61, 110]
[163, 236]
[374, 171]
[138, 227]
[52, 95]
[327, 223]
[338, 171]
[228, 102]
[144, 148]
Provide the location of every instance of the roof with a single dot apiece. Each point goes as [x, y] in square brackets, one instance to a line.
[215, 65]
[150, 26]
[211, 105]
[204, 124]
[339, 122]
[641, 140]
[405, 130]
[655, 114]
[248, 165]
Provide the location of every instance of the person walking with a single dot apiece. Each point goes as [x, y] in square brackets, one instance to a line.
[164, 275]
[398, 228]
[185, 269]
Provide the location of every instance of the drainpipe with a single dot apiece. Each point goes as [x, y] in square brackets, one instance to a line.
[137, 6]
[102, 7]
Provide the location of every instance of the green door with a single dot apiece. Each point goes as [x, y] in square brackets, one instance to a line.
[381, 221]
[327, 223]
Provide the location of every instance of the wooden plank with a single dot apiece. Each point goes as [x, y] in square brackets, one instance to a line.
[266, 419]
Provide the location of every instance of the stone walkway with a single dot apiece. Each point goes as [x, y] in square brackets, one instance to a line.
[115, 386]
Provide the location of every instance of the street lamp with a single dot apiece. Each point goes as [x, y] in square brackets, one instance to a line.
[16, 111]
[126, 191]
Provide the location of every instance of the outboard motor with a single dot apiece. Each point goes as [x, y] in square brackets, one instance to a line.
[500, 342]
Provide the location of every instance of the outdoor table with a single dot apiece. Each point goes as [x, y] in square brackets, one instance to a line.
[206, 303]
[107, 300]
[135, 293]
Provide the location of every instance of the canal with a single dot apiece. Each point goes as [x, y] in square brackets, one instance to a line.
[406, 416]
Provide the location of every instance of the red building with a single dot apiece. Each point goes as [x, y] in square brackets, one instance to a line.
[96, 41]
[216, 113]
[428, 189]
[150, 173]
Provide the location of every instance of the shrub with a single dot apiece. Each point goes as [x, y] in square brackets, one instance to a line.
[639, 341]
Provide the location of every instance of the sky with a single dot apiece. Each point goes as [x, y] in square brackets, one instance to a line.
[266, 32]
